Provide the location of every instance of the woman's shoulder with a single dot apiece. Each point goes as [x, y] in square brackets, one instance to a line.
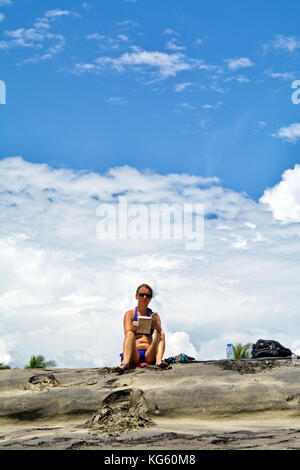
[129, 313]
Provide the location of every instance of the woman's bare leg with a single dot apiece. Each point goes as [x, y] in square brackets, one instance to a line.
[130, 352]
[160, 350]
[157, 348]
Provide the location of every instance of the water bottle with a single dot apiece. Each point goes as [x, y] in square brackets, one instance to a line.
[229, 351]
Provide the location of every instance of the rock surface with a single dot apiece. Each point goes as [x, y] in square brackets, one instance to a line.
[201, 405]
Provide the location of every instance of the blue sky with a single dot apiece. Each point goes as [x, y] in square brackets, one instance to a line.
[173, 101]
[200, 87]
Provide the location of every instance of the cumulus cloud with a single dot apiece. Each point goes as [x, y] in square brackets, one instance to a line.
[290, 133]
[153, 64]
[180, 341]
[66, 290]
[284, 198]
[166, 64]
[242, 62]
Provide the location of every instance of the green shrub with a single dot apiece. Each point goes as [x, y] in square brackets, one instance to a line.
[240, 351]
[38, 362]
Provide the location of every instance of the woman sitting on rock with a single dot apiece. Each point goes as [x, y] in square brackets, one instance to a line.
[140, 347]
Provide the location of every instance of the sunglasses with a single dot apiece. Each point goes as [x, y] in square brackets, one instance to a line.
[140, 294]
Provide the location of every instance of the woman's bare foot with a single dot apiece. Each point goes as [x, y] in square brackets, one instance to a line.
[123, 367]
[161, 365]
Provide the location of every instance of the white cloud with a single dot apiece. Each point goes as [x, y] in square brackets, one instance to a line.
[281, 75]
[174, 46]
[123, 37]
[49, 53]
[25, 37]
[170, 32]
[95, 36]
[198, 42]
[57, 13]
[282, 44]
[2, 16]
[127, 24]
[38, 37]
[290, 133]
[179, 342]
[5, 2]
[262, 124]
[83, 68]
[167, 65]
[152, 64]
[3, 45]
[182, 86]
[64, 289]
[204, 123]
[286, 43]
[212, 106]
[242, 62]
[106, 42]
[239, 78]
[180, 107]
[116, 100]
[284, 198]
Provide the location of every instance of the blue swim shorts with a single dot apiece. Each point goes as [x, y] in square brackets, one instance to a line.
[142, 353]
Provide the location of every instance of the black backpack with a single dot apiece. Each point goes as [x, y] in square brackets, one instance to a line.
[269, 348]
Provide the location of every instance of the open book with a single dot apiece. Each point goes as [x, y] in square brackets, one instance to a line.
[144, 325]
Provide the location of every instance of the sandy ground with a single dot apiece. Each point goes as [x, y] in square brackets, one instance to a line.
[268, 431]
[35, 415]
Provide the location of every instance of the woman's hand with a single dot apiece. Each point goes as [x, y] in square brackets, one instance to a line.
[155, 324]
[134, 326]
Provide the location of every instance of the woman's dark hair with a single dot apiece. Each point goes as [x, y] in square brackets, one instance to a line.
[147, 287]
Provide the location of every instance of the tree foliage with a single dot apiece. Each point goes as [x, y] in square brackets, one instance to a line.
[38, 362]
[241, 351]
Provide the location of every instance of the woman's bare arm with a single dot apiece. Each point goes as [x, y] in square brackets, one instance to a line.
[129, 324]
[156, 323]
